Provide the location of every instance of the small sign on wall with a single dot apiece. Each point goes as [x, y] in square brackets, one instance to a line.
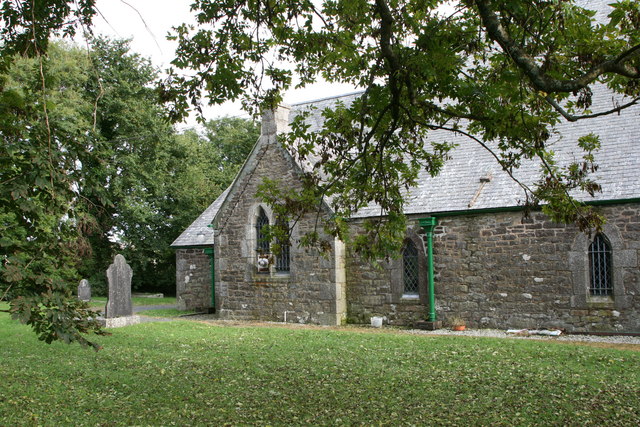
[263, 263]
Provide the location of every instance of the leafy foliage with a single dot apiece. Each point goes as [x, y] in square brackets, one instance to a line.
[503, 74]
[115, 179]
[89, 166]
[133, 165]
[26, 25]
[46, 139]
[165, 186]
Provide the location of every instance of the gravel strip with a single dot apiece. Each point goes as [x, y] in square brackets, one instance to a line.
[496, 333]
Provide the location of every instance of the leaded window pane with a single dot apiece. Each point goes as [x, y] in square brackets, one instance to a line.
[410, 268]
[600, 270]
[261, 235]
[283, 259]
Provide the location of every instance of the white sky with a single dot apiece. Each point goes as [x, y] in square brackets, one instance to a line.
[122, 21]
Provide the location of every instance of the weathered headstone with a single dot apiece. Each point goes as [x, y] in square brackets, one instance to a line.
[84, 290]
[119, 275]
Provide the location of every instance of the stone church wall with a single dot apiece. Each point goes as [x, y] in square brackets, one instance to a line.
[306, 294]
[193, 279]
[499, 270]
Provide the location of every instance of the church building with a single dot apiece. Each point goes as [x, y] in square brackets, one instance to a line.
[469, 252]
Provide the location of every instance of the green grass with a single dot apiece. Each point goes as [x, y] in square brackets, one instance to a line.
[189, 373]
[137, 301]
[166, 312]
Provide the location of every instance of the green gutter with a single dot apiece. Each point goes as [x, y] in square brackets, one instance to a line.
[520, 208]
[476, 211]
[463, 212]
[428, 224]
[612, 202]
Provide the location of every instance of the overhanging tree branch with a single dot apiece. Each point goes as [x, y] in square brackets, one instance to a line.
[540, 80]
[573, 118]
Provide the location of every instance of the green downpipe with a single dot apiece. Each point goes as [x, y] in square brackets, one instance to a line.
[428, 224]
[212, 258]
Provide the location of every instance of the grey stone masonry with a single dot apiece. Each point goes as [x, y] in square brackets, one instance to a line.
[119, 275]
[84, 290]
[492, 267]
[500, 270]
[193, 279]
[307, 293]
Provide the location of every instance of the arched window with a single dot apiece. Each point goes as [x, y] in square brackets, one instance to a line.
[600, 268]
[283, 258]
[262, 242]
[410, 271]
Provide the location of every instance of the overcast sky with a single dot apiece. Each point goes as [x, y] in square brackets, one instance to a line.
[126, 19]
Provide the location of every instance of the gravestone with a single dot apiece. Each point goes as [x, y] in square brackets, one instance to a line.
[119, 275]
[84, 290]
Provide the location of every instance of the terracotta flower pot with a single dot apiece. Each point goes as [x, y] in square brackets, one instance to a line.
[459, 328]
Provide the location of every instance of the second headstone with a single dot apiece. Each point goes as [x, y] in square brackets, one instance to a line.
[119, 275]
[84, 290]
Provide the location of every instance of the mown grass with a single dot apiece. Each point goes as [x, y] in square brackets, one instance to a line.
[137, 301]
[166, 312]
[189, 373]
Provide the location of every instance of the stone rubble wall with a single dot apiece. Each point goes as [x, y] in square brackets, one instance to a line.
[499, 270]
[193, 279]
[307, 294]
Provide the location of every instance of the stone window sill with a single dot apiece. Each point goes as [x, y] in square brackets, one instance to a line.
[410, 297]
[600, 302]
[271, 277]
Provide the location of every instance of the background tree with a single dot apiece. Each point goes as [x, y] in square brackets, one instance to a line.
[503, 73]
[157, 191]
[206, 164]
[47, 137]
[90, 167]
[133, 167]
[153, 182]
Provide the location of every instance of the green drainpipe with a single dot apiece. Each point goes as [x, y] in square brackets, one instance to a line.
[428, 224]
[212, 258]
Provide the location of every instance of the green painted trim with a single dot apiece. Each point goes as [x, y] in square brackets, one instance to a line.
[212, 258]
[613, 201]
[190, 247]
[477, 211]
[429, 224]
[521, 208]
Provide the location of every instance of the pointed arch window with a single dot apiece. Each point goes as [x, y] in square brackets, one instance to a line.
[261, 235]
[600, 266]
[410, 270]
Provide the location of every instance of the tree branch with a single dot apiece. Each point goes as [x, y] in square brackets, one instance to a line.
[504, 167]
[572, 118]
[386, 35]
[448, 112]
[536, 75]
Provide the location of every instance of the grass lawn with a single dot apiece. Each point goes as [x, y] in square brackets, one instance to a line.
[166, 312]
[137, 301]
[189, 373]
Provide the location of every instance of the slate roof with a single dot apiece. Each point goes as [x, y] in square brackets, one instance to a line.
[458, 185]
[198, 234]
